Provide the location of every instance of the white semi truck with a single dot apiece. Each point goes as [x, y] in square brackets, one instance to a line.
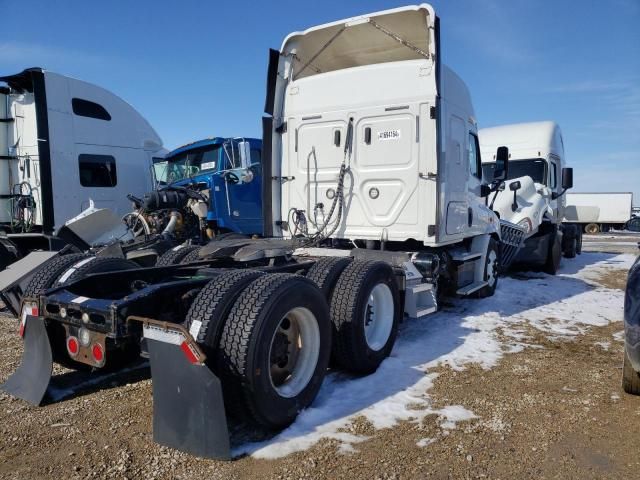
[374, 206]
[534, 194]
[63, 144]
[599, 211]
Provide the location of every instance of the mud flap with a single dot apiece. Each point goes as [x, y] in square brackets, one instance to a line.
[30, 381]
[188, 408]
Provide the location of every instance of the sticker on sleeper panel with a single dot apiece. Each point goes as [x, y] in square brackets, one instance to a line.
[389, 135]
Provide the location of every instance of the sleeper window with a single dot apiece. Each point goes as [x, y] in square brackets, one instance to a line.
[97, 170]
[85, 108]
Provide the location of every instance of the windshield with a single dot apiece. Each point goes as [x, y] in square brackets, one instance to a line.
[187, 164]
[536, 168]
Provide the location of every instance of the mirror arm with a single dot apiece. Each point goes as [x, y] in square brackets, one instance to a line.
[514, 205]
[555, 195]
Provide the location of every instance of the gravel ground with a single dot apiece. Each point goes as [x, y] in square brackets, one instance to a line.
[618, 242]
[555, 410]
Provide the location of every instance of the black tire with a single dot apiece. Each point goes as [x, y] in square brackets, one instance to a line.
[491, 269]
[212, 306]
[192, 256]
[325, 273]
[578, 240]
[175, 255]
[247, 352]
[91, 265]
[572, 248]
[591, 228]
[554, 256]
[630, 378]
[45, 277]
[349, 309]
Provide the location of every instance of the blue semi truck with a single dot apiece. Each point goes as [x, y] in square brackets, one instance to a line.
[204, 189]
[229, 171]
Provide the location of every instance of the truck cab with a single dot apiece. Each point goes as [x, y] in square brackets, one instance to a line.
[533, 194]
[374, 139]
[216, 166]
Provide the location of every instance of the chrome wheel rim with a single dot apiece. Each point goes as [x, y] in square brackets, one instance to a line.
[492, 267]
[378, 317]
[294, 352]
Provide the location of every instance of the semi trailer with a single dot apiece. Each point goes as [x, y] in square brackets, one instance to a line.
[63, 144]
[599, 211]
[533, 196]
[374, 209]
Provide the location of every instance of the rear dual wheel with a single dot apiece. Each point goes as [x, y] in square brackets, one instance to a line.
[270, 339]
[365, 312]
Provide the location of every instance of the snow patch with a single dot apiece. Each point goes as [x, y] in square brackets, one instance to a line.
[425, 442]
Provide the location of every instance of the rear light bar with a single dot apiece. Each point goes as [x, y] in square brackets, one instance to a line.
[174, 334]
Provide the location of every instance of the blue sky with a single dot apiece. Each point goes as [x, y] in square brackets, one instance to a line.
[196, 69]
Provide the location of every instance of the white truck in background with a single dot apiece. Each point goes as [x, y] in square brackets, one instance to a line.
[533, 195]
[599, 211]
[64, 143]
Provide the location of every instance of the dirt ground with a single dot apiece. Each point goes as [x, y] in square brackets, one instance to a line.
[555, 410]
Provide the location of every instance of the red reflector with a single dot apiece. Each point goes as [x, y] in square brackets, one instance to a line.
[186, 349]
[34, 311]
[73, 346]
[98, 353]
[21, 331]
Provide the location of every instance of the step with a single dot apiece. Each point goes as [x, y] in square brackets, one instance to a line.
[420, 287]
[469, 289]
[466, 256]
[426, 311]
[420, 300]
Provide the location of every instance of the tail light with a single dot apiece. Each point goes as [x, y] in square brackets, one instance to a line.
[98, 353]
[73, 346]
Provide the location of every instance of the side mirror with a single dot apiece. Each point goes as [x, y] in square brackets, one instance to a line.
[567, 178]
[485, 190]
[245, 154]
[514, 187]
[502, 164]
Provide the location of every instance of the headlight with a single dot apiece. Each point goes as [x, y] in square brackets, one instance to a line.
[526, 224]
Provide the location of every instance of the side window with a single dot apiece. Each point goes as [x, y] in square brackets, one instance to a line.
[255, 156]
[85, 108]
[256, 161]
[97, 170]
[474, 156]
[553, 181]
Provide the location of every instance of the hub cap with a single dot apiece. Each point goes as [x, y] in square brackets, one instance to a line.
[294, 352]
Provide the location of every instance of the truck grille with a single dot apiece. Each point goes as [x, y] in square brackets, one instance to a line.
[511, 241]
